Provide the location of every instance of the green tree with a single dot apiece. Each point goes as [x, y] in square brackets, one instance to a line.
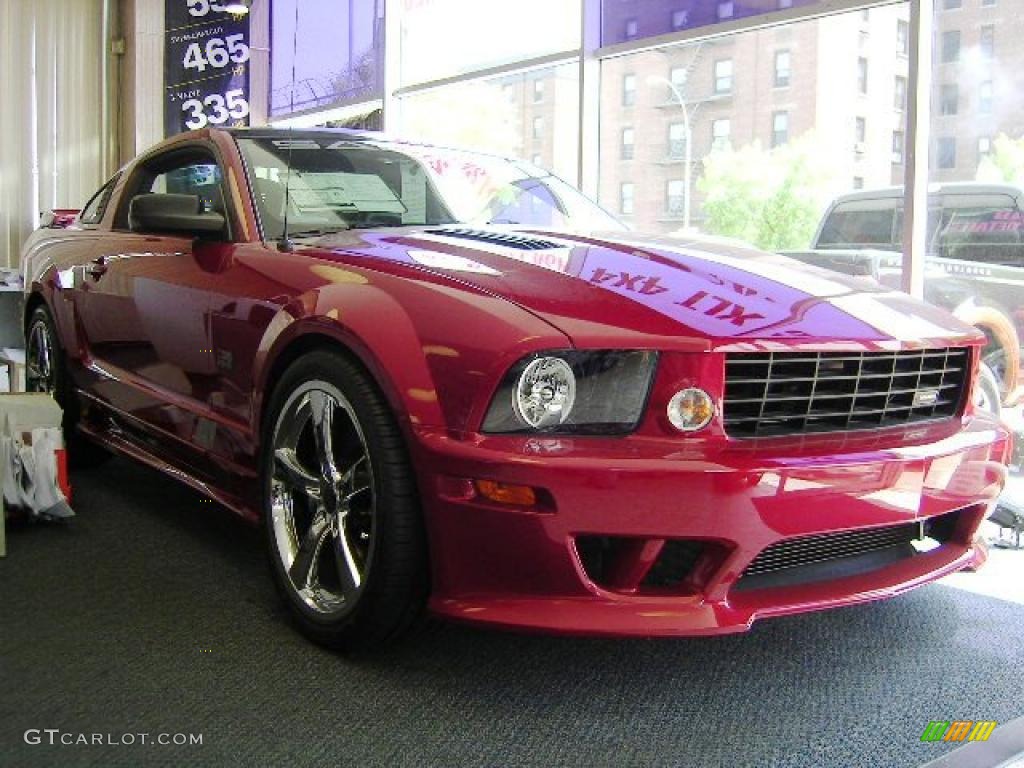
[770, 198]
[1005, 163]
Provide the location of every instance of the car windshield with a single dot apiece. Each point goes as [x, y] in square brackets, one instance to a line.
[324, 184]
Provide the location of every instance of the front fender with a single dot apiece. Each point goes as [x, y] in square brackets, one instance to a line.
[437, 353]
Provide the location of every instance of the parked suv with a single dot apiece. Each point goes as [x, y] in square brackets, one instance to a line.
[974, 265]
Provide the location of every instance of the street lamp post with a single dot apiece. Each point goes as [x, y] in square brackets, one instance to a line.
[688, 135]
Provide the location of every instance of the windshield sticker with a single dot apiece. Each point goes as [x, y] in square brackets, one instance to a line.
[345, 191]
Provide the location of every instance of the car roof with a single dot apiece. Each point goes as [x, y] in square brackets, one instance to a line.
[950, 187]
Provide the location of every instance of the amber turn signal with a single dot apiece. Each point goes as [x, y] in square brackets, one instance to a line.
[520, 495]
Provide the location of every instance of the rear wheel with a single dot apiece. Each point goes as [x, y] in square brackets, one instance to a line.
[46, 371]
[341, 513]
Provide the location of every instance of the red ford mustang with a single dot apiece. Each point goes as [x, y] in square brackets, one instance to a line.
[446, 380]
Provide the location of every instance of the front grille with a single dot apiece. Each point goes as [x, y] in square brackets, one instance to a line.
[823, 547]
[785, 393]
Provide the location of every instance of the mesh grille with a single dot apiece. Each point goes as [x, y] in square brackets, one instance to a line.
[784, 393]
[807, 550]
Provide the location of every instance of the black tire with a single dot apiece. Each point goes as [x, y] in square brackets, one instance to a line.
[82, 452]
[987, 395]
[391, 593]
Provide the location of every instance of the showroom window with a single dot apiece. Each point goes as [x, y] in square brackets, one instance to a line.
[862, 75]
[950, 46]
[626, 192]
[900, 93]
[949, 99]
[723, 76]
[499, 115]
[782, 68]
[748, 152]
[628, 143]
[946, 152]
[720, 132]
[628, 90]
[780, 128]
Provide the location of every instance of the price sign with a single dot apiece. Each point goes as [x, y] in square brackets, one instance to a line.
[206, 69]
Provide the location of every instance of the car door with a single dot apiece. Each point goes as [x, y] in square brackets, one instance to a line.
[144, 307]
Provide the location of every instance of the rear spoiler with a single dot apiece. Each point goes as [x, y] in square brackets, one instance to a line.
[58, 218]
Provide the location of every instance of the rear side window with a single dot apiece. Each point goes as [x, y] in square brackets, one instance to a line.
[97, 206]
[857, 229]
[988, 235]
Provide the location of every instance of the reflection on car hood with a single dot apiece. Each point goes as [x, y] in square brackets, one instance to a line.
[625, 289]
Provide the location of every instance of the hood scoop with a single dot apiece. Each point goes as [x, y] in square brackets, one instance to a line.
[503, 239]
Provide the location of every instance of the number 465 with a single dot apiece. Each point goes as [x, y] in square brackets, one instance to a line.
[219, 53]
[232, 105]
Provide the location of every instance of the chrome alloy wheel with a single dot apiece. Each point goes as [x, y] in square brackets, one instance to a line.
[322, 499]
[40, 368]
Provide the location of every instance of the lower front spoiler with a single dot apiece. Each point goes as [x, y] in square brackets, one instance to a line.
[610, 614]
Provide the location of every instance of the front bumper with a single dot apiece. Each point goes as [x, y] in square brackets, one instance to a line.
[521, 568]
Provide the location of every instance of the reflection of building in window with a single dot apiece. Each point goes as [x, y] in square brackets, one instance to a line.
[628, 90]
[680, 19]
[720, 133]
[675, 197]
[628, 143]
[858, 182]
[780, 128]
[862, 75]
[985, 97]
[984, 147]
[631, 29]
[538, 91]
[677, 141]
[860, 133]
[538, 128]
[988, 41]
[898, 141]
[950, 46]
[626, 191]
[951, 5]
[782, 68]
[783, 4]
[725, 9]
[946, 153]
[899, 101]
[949, 99]
[723, 76]
[903, 37]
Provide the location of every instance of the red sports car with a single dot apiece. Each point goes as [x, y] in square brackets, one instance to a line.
[445, 380]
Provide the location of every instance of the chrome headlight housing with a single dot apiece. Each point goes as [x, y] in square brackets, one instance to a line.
[600, 392]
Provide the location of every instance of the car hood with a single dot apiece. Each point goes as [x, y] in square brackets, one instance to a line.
[615, 289]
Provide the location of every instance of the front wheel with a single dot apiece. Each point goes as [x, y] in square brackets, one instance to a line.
[341, 513]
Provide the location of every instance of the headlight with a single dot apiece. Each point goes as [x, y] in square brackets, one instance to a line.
[573, 392]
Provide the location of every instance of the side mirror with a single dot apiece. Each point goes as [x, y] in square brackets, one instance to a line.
[173, 214]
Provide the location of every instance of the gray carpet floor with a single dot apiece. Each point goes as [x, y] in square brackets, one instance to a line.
[152, 611]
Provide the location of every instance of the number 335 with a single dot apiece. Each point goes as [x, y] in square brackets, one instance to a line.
[215, 109]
